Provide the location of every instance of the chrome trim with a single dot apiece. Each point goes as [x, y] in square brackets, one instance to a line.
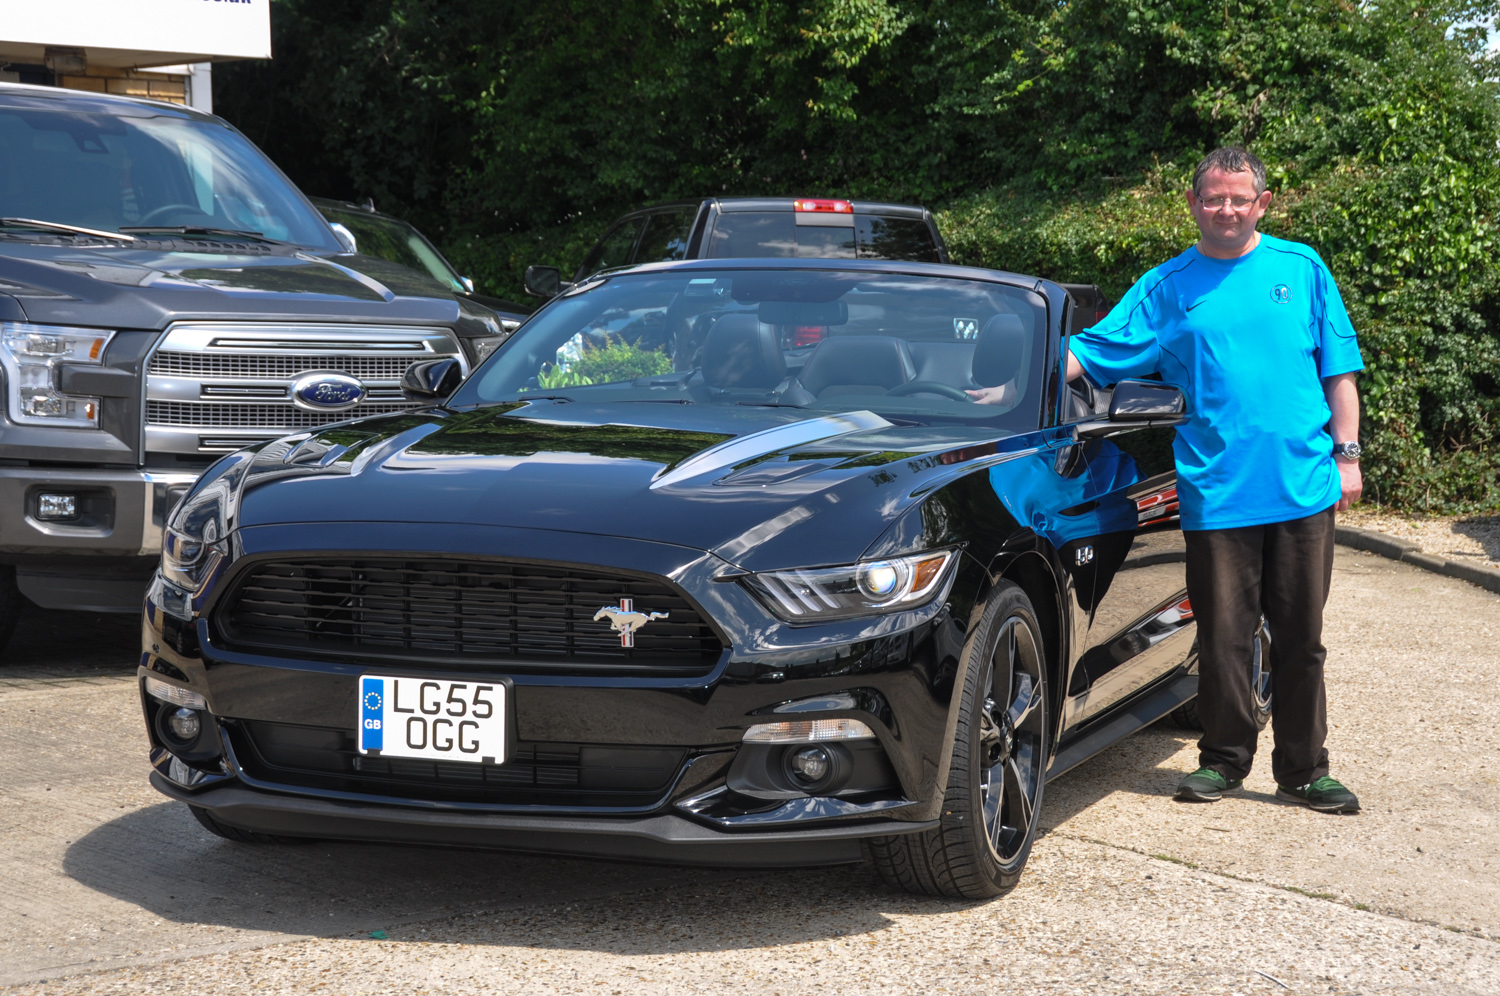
[259, 364]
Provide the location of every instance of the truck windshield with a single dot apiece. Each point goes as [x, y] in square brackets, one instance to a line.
[144, 170]
[908, 345]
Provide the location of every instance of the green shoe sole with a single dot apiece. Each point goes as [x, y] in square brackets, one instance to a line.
[1190, 793]
[1346, 805]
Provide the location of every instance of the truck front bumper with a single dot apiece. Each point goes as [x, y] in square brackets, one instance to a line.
[100, 559]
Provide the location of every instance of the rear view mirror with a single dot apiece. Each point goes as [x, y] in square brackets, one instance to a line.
[543, 281]
[431, 380]
[1138, 404]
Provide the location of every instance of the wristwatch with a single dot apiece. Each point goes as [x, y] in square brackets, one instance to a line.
[1349, 451]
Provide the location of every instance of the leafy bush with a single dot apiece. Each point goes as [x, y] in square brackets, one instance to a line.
[619, 360]
[1058, 135]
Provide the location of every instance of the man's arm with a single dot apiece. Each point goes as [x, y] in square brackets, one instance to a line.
[1343, 401]
[1075, 369]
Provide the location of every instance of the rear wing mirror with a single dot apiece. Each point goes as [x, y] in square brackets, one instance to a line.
[1139, 404]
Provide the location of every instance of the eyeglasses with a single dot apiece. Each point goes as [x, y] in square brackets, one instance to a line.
[1238, 203]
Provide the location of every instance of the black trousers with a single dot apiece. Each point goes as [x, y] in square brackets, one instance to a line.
[1281, 570]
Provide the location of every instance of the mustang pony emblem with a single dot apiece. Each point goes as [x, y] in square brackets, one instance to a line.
[623, 619]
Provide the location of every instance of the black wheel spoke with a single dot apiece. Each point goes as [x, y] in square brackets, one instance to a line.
[1011, 730]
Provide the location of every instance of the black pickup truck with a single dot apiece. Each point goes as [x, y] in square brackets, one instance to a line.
[756, 227]
[168, 296]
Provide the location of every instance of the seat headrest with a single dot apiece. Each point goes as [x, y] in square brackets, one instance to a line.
[999, 351]
[741, 352]
[878, 361]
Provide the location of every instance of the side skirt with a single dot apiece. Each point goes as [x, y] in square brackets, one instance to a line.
[1144, 710]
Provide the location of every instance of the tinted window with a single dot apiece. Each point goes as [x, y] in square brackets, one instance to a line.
[614, 248]
[666, 237]
[110, 172]
[398, 242]
[776, 234]
[895, 238]
[827, 340]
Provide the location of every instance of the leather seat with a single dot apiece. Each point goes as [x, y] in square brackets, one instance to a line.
[857, 364]
[740, 352]
[999, 352]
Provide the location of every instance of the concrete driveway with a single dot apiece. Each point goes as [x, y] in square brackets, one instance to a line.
[106, 888]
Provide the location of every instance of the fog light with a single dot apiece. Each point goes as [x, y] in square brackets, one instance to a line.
[57, 507]
[811, 764]
[185, 725]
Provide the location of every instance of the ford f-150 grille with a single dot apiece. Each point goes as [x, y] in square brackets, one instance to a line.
[556, 774]
[213, 387]
[447, 613]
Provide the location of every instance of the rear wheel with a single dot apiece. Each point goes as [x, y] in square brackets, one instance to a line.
[993, 797]
[1186, 715]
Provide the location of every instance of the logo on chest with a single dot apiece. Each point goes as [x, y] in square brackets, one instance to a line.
[1281, 294]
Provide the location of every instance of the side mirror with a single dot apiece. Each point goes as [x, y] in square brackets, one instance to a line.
[468, 284]
[543, 281]
[346, 237]
[1139, 404]
[431, 380]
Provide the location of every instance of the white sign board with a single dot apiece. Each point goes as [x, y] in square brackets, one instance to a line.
[208, 28]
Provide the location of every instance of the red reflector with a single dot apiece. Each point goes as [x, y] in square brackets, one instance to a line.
[1184, 608]
[837, 207]
[808, 335]
[1099, 316]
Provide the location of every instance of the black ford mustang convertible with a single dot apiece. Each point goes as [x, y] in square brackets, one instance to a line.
[763, 562]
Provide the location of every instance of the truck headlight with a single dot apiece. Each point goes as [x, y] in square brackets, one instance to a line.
[826, 593]
[30, 354]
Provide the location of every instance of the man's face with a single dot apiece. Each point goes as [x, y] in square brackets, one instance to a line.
[1227, 209]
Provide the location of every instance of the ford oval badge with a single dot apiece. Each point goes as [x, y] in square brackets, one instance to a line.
[327, 392]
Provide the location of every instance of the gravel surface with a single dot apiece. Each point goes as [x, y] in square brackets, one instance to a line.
[1470, 539]
[106, 889]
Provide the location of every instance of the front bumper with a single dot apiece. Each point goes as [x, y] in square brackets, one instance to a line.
[101, 560]
[664, 838]
[287, 763]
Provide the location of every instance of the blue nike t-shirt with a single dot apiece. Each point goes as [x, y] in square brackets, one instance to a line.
[1251, 340]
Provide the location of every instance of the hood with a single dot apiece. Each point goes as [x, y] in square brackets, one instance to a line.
[148, 288]
[759, 487]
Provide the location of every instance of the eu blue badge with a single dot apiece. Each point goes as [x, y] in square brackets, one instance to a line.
[371, 712]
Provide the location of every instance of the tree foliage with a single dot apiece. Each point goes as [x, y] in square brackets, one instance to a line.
[1058, 137]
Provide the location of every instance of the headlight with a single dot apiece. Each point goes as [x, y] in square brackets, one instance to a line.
[29, 354]
[481, 348]
[828, 593]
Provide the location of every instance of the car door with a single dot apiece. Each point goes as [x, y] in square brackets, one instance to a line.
[614, 249]
[1140, 621]
[666, 235]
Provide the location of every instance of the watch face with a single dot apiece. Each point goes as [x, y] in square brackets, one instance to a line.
[1348, 450]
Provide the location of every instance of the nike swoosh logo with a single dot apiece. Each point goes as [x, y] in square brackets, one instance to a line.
[1193, 305]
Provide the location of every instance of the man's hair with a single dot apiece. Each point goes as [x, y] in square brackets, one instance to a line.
[1232, 159]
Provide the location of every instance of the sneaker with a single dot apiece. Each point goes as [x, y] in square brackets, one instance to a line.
[1325, 795]
[1206, 785]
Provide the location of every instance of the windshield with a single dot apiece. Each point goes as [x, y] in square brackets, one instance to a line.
[828, 340]
[144, 170]
[396, 241]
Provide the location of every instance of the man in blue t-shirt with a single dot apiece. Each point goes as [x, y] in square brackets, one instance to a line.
[1254, 330]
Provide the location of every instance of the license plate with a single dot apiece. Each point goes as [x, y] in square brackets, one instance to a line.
[438, 720]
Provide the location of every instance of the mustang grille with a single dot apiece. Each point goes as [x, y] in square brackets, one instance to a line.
[172, 363]
[262, 416]
[445, 612]
[557, 774]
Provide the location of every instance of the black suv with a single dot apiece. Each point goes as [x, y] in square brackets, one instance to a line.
[757, 228]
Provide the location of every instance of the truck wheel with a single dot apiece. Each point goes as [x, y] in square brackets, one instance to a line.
[12, 603]
[992, 802]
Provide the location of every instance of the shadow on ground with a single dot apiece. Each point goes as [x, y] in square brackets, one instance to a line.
[53, 644]
[158, 859]
[1485, 529]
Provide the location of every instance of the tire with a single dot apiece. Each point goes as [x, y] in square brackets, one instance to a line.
[1186, 715]
[235, 834]
[992, 800]
[12, 604]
